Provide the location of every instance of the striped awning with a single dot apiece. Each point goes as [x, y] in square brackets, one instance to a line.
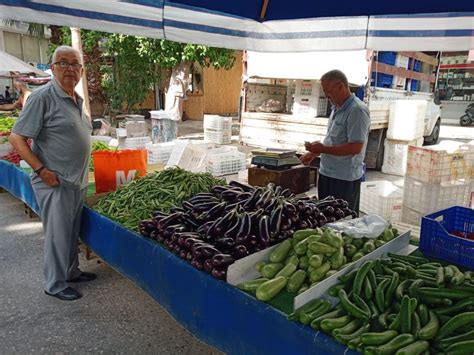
[281, 26]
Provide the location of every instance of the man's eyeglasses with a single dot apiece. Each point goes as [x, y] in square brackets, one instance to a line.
[64, 65]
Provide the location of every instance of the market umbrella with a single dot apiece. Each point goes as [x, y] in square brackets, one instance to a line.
[268, 25]
[12, 66]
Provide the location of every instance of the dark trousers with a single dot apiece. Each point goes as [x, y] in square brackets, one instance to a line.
[347, 190]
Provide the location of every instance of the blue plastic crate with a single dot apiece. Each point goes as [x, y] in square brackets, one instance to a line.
[387, 57]
[437, 240]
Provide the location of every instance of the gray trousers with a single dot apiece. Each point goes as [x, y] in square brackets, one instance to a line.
[60, 212]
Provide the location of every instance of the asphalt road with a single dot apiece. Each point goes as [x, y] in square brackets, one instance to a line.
[114, 316]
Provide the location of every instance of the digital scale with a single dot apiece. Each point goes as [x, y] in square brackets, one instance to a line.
[275, 159]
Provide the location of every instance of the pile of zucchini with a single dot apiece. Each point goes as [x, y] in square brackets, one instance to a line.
[402, 305]
[309, 257]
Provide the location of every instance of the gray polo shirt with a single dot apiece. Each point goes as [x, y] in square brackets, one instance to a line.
[348, 124]
[61, 133]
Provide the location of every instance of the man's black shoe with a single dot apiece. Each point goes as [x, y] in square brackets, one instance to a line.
[68, 294]
[84, 277]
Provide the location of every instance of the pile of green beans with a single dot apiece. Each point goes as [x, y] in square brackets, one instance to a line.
[157, 191]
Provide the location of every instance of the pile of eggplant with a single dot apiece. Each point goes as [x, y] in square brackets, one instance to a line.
[213, 229]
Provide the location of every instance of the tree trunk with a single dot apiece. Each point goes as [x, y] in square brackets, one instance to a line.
[82, 86]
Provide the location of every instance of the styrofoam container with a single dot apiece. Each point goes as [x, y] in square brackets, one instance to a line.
[427, 198]
[395, 156]
[406, 119]
[382, 198]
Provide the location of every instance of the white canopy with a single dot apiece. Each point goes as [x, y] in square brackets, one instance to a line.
[308, 65]
[9, 63]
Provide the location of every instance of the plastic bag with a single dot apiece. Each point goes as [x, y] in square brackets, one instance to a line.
[370, 226]
[115, 168]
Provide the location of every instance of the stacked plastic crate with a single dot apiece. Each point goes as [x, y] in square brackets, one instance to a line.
[225, 161]
[218, 129]
[159, 152]
[405, 128]
[437, 177]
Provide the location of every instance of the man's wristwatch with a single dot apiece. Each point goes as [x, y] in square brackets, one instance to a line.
[39, 170]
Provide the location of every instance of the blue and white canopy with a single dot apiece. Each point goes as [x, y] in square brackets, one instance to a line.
[268, 25]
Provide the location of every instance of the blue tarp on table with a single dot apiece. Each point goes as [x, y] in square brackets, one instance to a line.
[214, 311]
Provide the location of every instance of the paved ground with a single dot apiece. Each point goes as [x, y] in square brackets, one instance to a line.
[457, 133]
[114, 316]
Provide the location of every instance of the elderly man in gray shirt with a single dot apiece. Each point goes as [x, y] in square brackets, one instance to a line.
[343, 149]
[60, 130]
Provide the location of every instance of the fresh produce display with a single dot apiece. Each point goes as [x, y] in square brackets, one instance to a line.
[6, 124]
[96, 147]
[158, 191]
[399, 305]
[309, 257]
[231, 222]
[13, 157]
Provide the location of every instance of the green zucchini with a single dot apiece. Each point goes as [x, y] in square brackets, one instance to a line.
[279, 254]
[396, 343]
[416, 348]
[269, 289]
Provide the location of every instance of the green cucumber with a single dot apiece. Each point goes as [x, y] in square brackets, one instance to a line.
[391, 289]
[328, 324]
[396, 343]
[351, 308]
[457, 307]
[344, 338]
[368, 291]
[270, 270]
[296, 281]
[452, 294]
[429, 331]
[316, 323]
[378, 338]
[424, 314]
[380, 294]
[457, 338]
[279, 254]
[349, 328]
[402, 286]
[454, 323]
[251, 286]
[269, 289]
[463, 347]
[416, 348]
[287, 270]
[323, 308]
[360, 276]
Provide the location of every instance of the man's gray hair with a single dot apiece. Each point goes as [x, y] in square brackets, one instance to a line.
[334, 76]
[65, 49]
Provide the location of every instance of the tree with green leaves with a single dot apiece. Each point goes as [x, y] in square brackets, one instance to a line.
[129, 66]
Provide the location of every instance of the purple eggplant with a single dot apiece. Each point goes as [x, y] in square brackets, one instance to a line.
[331, 219]
[234, 229]
[183, 253]
[250, 204]
[243, 197]
[252, 241]
[204, 207]
[189, 256]
[286, 193]
[271, 206]
[160, 238]
[170, 220]
[300, 206]
[204, 227]
[229, 195]
[218, 189]
[245, 227]
[275, 221]
[302, 225]
[206, 251]
[278, 190]
[264, 231]
[208, 266]
[197, 264]
[220, 260]
[240, 251]
[242, 186]
[225, 244]
[338, 213]
[189, 242]
[354, 214]
[295, 218]
[243, 239]
[328, 211]
[219, 273]
[187, 206]
[264, 199]
[289, 208]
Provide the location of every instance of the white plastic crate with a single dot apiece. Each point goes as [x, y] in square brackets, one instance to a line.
[406, 120]
[382, 198]
[137, 142]
[410, 216]
[159, 152]
[218, 123]
[440, 164]
[427, 198]
[217, 137]
[188, 157]
[225, 161]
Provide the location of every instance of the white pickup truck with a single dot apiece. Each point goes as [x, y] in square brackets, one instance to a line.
[375, 98]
